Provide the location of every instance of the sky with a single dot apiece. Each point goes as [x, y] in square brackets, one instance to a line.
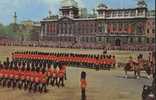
[36, 10]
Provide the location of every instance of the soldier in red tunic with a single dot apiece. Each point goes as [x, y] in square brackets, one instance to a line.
[61, 73]
[43, 82]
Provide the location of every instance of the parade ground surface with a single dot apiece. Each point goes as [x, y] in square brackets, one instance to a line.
[102, 85]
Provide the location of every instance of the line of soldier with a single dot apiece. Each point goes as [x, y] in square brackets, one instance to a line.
[80, 60]
[31, 75]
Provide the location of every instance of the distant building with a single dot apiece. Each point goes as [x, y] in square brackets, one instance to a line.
[32, 28]
[109, 26]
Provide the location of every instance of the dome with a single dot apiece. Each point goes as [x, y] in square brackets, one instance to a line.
[141, 3]
[101, 5]
[72, 3]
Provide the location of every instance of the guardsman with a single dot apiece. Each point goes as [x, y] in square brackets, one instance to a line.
[36, 81]
[27, 77]
[10, 78]
[31, 81]
[83, 84]
[114, 61]
[61, 73]
[64, 67]
[5, 77]
[15, 76]
[43, 82]
[49, 74]
[20, 77]
[55, 75]
[1, 75]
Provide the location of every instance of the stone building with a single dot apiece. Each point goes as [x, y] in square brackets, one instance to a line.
[114, 27]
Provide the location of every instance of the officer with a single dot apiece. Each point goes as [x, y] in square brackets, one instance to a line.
[83, 84]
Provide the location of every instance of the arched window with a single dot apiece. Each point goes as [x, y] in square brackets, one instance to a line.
[131, 40]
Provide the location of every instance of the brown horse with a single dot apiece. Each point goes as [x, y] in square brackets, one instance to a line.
[137, 67]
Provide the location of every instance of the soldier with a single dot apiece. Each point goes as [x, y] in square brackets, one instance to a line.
[49, 74]
[36, 81]
[114, 61]
[5, 77]
[64, 67]
[43, 82]
[55, 75]
[83, 84]
[31, 81]
[10, 78]
[1, 75]
[61, 73]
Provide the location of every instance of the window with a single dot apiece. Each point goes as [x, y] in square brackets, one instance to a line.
[108, 14]
[147, 30]
[114, 13]
[140, 12]
[107, 40]
[132, 13]
[114, 27]
[153, 30]
[153, 40]
[139, 39]
[148, 40]
[120, 13]
[87, 39]
[100, 39]
[120, 26]
[126, 13]
[126, 27]
[131, 40]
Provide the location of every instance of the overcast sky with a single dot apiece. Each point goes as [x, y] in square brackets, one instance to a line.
[38, 9]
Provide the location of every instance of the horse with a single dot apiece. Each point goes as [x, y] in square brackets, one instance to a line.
[137, 67]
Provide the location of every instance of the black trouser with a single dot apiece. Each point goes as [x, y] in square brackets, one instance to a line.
[10, 81]
[27, 84]
[65, 75]
[15, 83]
[49, 81]
[36, 86]
[30, 86]
[1, 80]
[61, 81]
[5, 82]
[83, 94]
[54, 81]
[20, 84]
[44, 87]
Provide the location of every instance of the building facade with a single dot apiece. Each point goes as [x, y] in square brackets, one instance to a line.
[109, 27]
